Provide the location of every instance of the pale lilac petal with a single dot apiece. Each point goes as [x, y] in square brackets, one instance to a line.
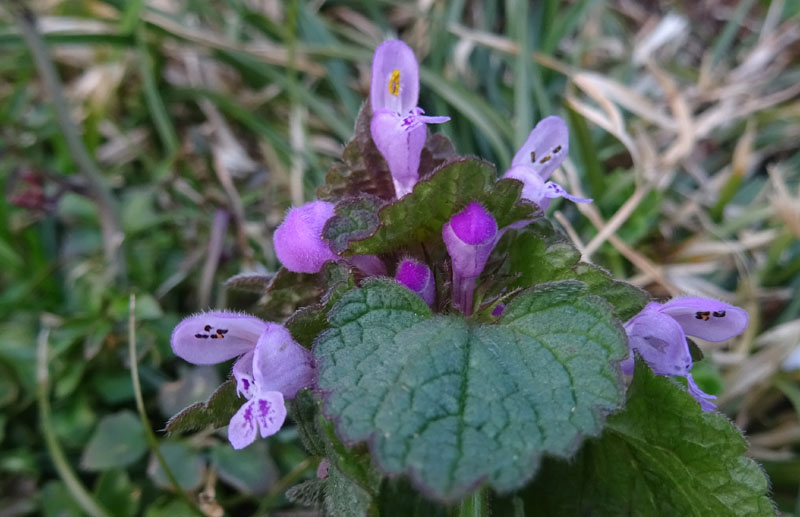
[553, 190]
[700, 396]
[269, 411]
[707, 319]
[214, 337]
[242, 428]
[546, 147]
[418, 277]
[243, 373]
[322, 468]
[395, 78]
[400, 146]
[298, 240]
[280, 363]
[533, 187]
[660, 341]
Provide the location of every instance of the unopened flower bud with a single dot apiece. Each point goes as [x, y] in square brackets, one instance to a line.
[298, 240]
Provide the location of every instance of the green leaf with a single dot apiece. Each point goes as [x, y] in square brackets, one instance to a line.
[453, 404]
[215, 412]
[185, 463]
[308, 322]
[539, 254]
[115, 491]
[344, 497]
[250, 471]
[355, 219]
[288, 291]
[420, 215]
[117, 441]
[662, 456]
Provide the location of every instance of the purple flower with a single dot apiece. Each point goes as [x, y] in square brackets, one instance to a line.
[540, 155]
[658, 334]
[418, 277]
[298, 240]
[398, 124]
[469, 236]
[271, 366]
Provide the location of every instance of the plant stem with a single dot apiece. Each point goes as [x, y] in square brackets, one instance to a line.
[74, 485]
[152, 441]
[476, 504]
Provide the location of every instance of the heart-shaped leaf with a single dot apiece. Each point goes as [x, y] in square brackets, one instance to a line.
[661, 456]
[453, 404]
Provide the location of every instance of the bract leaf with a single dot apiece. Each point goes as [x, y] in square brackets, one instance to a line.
[215, 412]
[420, 215]
[661, 456]
[454, 404]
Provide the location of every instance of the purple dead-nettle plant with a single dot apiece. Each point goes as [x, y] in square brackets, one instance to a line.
[418, 277]
[470, 237]
[658, 334]
[398, 125]
[540, 155]
[271, 366]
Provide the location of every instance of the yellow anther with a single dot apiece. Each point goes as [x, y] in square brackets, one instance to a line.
[545, 159]
[394, 82]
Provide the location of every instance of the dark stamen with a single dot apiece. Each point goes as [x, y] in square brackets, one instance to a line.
[207, 328]
[201, 336]
[703, 315]
[213, 336]
[545, 159]
[719, 314]
[222, 331]
[533, 156]
[557, 149]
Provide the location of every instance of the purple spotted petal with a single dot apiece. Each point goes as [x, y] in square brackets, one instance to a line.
[660, 341]
[265, 413]
[280, 363]
[242, 428]
[545, 148]
[298, 240]
[270, 412]
[401, 147]
[700, 396]
[214, 337]
[243, 373]
[707, 319]
[395, 78]
[553, 190]
[418, 278]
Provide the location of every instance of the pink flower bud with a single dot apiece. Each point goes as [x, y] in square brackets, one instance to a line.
[298, 240]
[418, 277]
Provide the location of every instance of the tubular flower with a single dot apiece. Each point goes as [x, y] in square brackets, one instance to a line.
[540, 155]
[298, 240]
[398, 125]
[658, 334]
[271, 366]
[469, 236]
[417, 277]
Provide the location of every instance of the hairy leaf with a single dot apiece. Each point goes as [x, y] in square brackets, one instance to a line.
[420, 215]
[215, 412]
[540, 254]
[453, 404]
[355, 219]
[661, 456]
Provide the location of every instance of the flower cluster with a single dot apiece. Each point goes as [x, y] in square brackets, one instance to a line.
[271, 366]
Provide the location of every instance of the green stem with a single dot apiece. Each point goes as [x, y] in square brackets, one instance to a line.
[285, 482]
[73, 484]
[152, 441]
[476, 504]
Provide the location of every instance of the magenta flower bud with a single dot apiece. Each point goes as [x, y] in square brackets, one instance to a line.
[540, 155]
[658, 334]
[418, 277]
[398, 125]
[469, 236]
[298, 240]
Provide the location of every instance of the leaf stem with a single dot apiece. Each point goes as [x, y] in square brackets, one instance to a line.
[74, 485]
[282, 484]
[152, 441]
[476, 504]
